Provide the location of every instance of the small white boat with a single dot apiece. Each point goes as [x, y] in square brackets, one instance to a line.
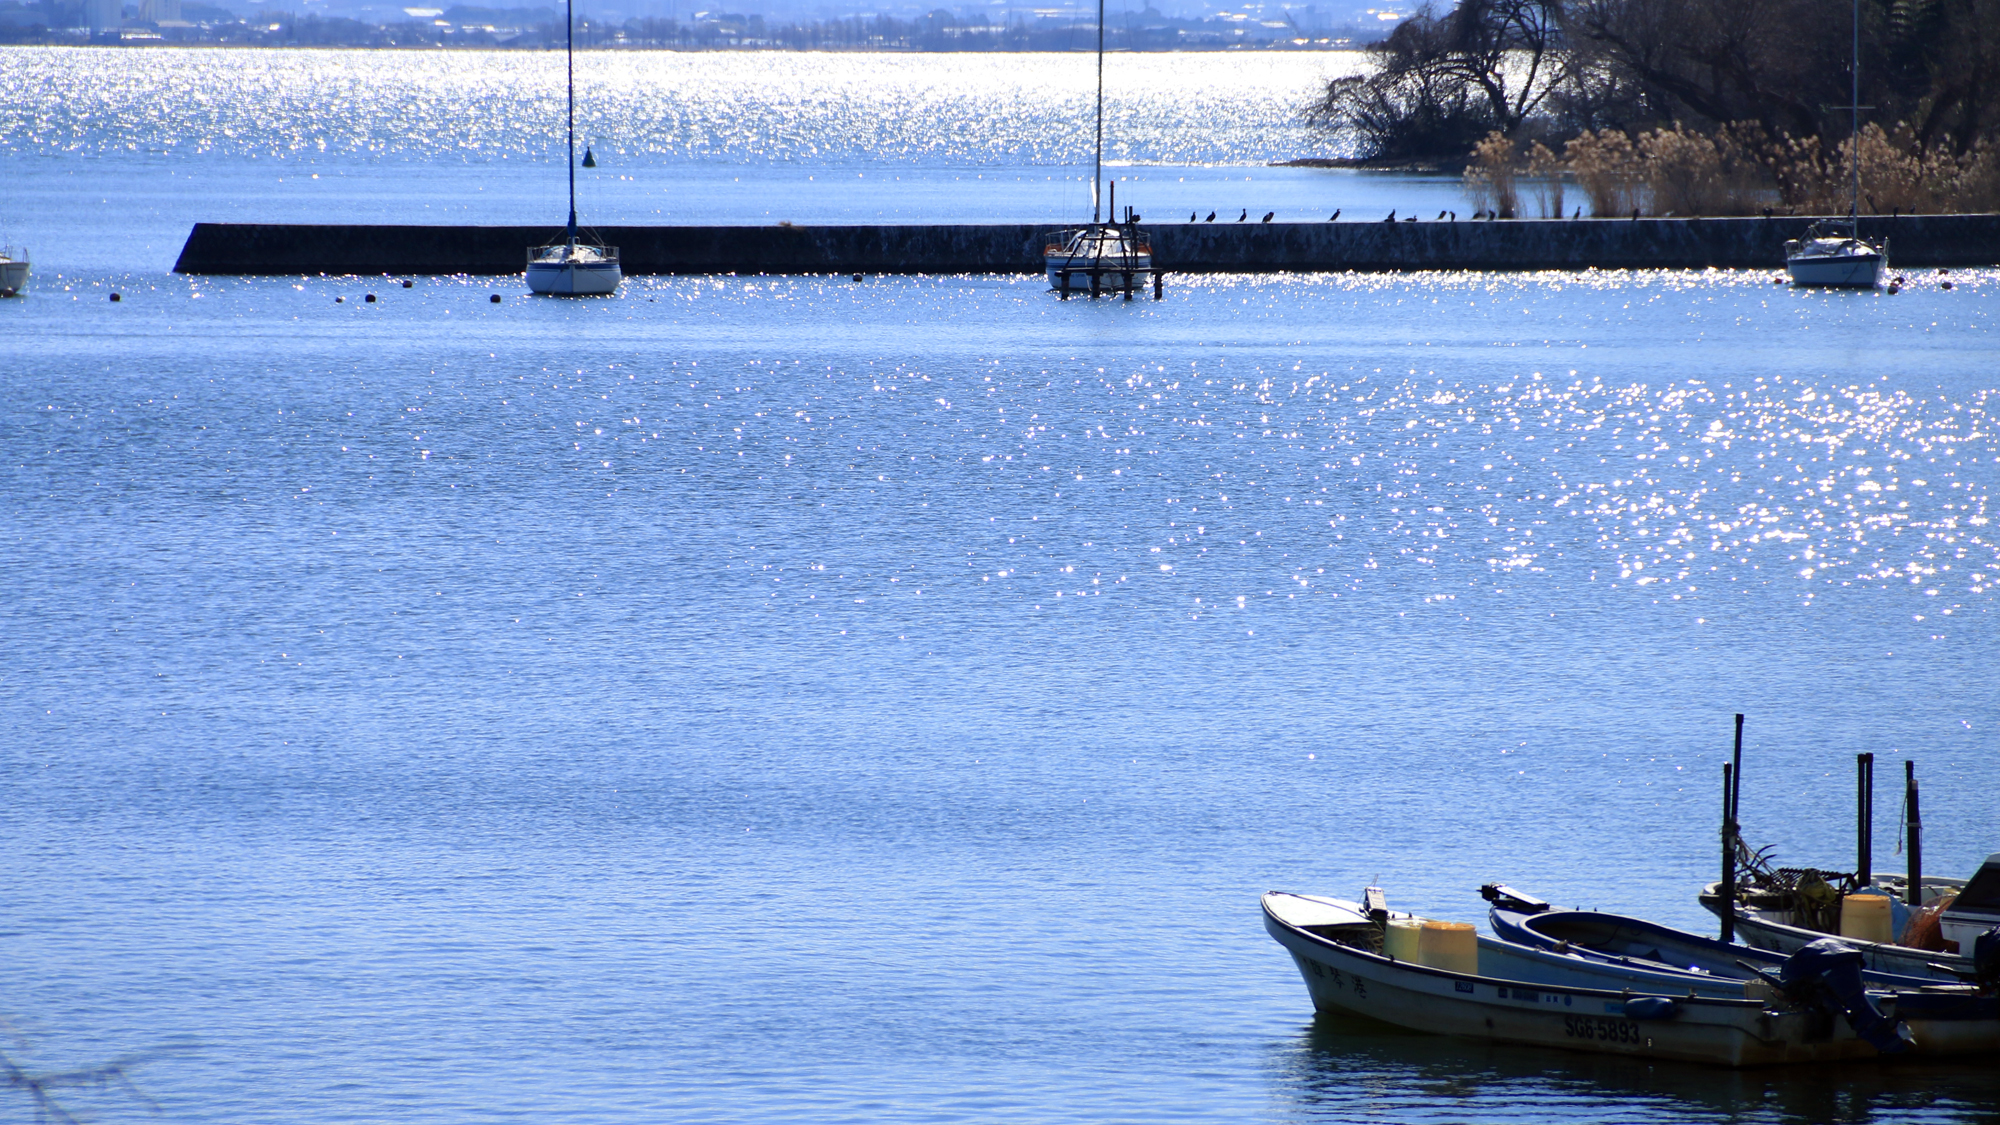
[1828, 258]
[13, 272]
[572, 267]
[1825, 257]
[1103, 257]
[1341, 953]
[1099, 258]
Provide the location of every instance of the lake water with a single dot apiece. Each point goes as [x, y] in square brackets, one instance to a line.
[894, 713]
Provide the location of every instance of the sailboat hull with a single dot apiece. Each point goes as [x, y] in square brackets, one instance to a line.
[1848, 270]
[574, 279]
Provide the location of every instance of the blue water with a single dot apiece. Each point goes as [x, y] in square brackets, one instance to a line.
[761, 698]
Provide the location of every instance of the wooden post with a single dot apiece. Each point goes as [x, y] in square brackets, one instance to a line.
[1062, 281]
[1736, 790]
[1915, 894]
[1159, 284]
[1864, 819]
[1728, 887]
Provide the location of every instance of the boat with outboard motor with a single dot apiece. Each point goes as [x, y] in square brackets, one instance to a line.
[1785, 909]
[573, 267]
[1363, 959]
[1636, 945]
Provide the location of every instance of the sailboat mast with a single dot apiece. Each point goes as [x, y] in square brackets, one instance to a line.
[1097, 164]
[1854, 127]
[569, 62]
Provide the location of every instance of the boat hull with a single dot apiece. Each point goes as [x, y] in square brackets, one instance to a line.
[1837, 271]
[574, 279]
[1068, 275]
[1724, 1032]
[13, 277]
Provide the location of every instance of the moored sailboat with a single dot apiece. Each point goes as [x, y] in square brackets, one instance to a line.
[1827, 257]
[1114, 256]
[572, 267]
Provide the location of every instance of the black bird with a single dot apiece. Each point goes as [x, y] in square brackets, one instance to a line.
[1441, 215]
[1211, 217]
[1454, 216]
[1335, 217]
[1391, 218]
[1191, 216]
[1244, 216]
[1269, 215]
[1635, 214]
[1579, 212]
[1409, 218]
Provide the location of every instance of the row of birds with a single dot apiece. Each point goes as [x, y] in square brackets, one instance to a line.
[1335, 217]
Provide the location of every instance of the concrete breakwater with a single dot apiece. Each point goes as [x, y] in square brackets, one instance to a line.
[1752, 243]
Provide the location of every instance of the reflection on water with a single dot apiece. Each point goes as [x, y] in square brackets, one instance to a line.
[1344, 1068]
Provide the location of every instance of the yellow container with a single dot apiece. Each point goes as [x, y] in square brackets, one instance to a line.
[1867, 918]
[1403, 940]
[1449, 945]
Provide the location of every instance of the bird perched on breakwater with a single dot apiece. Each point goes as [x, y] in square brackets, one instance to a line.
[1454, 216]
[1391, 218]
[1441, 215]
[1635, 214]
[1191, 216]
[1211, 217]
[1579, 213]
[1335, 217]
[1245, 216]
[1269, 215]
[1409, 218]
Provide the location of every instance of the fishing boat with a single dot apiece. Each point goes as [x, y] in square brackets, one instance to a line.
[572, 267]
[1113, 256]
[1354, 961]
[1639, 946]
[13, 272]
[1828, 256]
[1914, 924]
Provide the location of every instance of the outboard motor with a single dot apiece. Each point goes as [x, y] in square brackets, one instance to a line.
[1986, 958]
[1828, 974]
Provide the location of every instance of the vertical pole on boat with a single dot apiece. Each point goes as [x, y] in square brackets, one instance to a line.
[1097, 163]
[1864, 819]
[1728, 887]
[569, 63]
[1854, 128]
[1915, 893]
[1736, 790]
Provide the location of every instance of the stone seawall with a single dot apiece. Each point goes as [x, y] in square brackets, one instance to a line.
[1755, 243]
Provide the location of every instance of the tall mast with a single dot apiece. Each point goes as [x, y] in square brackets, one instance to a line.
[569, 60]
[1855, 127]
[1097, 165]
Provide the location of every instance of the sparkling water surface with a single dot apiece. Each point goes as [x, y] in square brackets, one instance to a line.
[757, 698]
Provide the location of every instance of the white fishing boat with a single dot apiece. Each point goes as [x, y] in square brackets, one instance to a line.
[1786, 913]
[13, 271]
[1826, 257]
[573, 267]
[1354, 960]
[1113, 256]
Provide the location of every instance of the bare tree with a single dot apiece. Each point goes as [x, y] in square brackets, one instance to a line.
[42, 1088]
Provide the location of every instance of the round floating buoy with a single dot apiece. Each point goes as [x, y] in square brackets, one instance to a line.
[115, 298]
[408, 284]
[1894, 289]
[1944, 285]
[495, 298]
[370, 298]
[340, 300]
[857, 277]
[1777, 281]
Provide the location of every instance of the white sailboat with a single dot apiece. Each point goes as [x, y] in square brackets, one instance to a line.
[573, 268]
[1828, 256]
[1114, 256]
[13, 272]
